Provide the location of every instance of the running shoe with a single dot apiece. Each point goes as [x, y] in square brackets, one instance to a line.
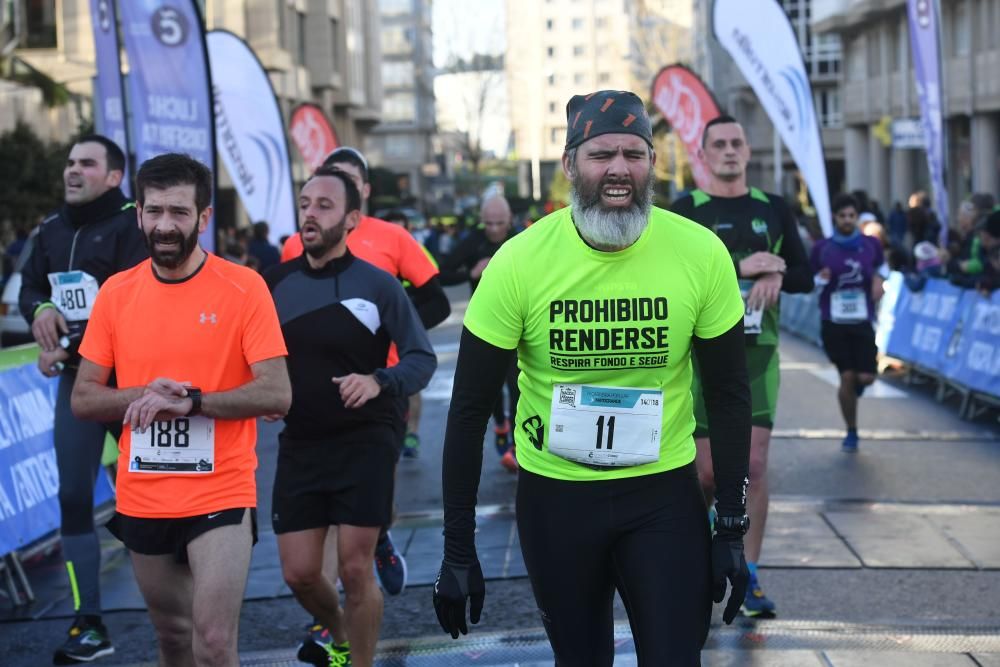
[756, 604]
[411, 446]
[338, 655]
[87, 642]
[509, 460]
[503, 438]
[390, 566]
[850, 443]
[313, 649]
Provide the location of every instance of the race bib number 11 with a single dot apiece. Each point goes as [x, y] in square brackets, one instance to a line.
[606, 426]
[182, 445]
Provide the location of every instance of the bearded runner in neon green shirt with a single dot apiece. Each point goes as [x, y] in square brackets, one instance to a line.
[580, 317]
[604, 303]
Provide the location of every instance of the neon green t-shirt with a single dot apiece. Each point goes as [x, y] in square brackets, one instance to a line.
[585, 322]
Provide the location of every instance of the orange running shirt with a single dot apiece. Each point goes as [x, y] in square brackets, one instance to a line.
[387, 246]
[206, 330]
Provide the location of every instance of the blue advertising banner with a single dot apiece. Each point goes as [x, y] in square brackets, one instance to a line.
[926, 51]
[169, 83]
[975, 353]
[109, 103]
[925, 322]
[29, 479]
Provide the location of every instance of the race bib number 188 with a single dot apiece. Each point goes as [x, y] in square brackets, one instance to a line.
[606, 426]
[182, 445]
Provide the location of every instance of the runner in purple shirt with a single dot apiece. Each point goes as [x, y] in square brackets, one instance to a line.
[847, 265]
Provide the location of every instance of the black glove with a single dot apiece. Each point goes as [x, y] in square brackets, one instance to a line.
[728, 563]
[456, 583]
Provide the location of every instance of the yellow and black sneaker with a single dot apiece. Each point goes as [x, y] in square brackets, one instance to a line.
[313, 649]
[88, 640]
[339, 655]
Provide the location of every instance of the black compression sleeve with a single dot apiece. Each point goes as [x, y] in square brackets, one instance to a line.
[798, 274]
[431, 303]
[479, 376]
[726, 387]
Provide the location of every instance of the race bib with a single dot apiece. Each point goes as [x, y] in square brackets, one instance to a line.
[182, 445]
[848, 305]
[606, 426]
[73, 293]
[752, 317]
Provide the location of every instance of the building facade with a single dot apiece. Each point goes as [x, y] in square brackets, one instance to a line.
[557, 49]
[402, 141]
[823, 60]
[321, 51]
[879, 88]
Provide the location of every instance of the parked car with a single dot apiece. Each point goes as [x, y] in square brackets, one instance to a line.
[14, 329]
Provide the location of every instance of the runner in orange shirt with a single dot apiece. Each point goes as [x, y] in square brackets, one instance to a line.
[195, 344]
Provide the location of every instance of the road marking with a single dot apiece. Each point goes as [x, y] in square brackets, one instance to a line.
[884, 434]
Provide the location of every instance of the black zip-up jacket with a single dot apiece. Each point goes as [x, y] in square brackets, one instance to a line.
[101, 237]
[337, 320]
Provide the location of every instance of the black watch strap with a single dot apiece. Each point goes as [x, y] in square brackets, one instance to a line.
[732, 524]
[194, 393]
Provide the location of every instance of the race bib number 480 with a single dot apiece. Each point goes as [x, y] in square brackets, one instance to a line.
[73, 293]
[606, 426]
[182, 445]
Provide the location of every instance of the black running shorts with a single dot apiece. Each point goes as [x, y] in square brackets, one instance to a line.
[647, 537]
[158, 537]
[344, 480]
[851, 347]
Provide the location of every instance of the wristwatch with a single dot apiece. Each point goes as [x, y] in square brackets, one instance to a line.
[194, 393]
[382, 378]
[733, 524]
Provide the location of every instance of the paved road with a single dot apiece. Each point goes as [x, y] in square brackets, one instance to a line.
[917, 456]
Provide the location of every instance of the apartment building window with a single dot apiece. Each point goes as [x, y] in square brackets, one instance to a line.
[961, 29]
[601, 22]
[549, 24]
[551, 79]
[334, 42]
[604, 77]
[873, 53]
[577, 24]
[578, 78]
[41, 24]
[557, 135]
[399, 108]
[827, 103]
[398, 74]
[552, 107]
[300, 25]
[282, 25]
[579, 50]
[550, 51]
[396, 40]
[395, 7]
[826, 55]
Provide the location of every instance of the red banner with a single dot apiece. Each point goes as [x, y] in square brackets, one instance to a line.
[313, 135]
[687, 104]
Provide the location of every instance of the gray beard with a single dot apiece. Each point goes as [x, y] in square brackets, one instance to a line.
[611, 229]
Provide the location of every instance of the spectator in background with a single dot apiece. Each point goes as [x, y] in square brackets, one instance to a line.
[14, 249]
[966, 256]
[897, 225]
[989, 237]
[260, 247]
[921, 222]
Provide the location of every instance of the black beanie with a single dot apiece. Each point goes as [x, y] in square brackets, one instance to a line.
[606, 112]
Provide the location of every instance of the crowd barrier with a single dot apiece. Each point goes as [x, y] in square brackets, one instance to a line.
[942, 332]
[29, 478]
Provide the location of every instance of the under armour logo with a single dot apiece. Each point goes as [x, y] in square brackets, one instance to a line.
[203, 318]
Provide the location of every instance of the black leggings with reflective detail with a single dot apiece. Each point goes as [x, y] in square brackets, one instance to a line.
[647, 537]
